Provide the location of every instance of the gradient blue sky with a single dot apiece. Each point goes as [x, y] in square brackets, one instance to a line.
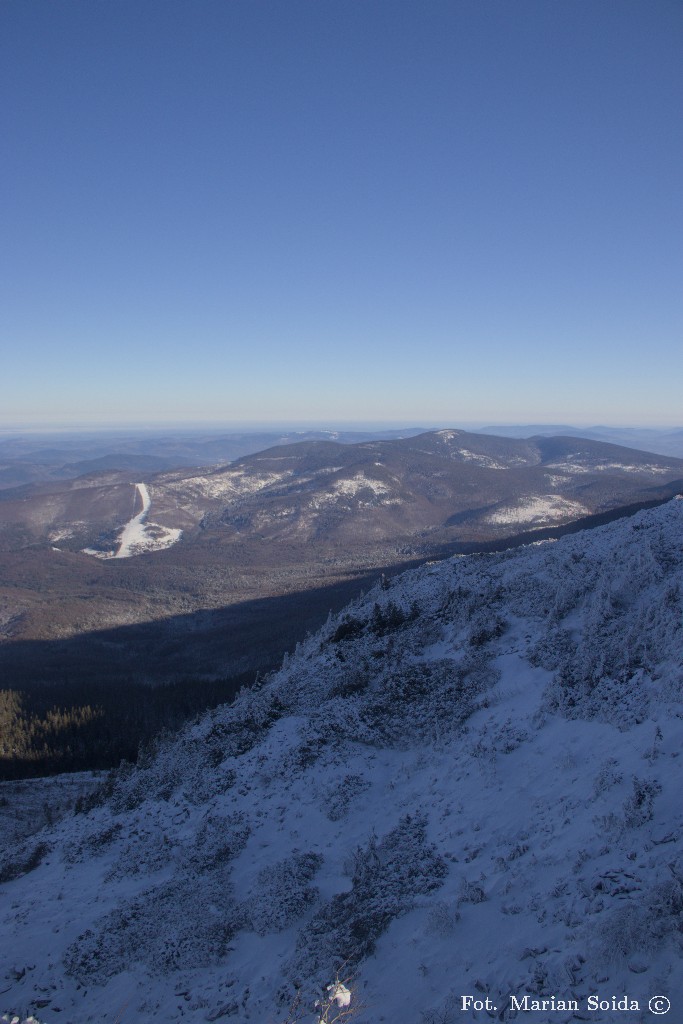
[337, 210]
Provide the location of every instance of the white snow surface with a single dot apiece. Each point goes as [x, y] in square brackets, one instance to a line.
[231, 482]
[367, 492]
[574, 465]
[545, 508]
[139, 535]
[466, 783]
[487, 461]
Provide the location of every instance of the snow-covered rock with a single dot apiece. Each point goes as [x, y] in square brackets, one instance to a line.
[465, 785]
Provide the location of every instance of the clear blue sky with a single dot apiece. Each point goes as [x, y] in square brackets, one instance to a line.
[433, 211]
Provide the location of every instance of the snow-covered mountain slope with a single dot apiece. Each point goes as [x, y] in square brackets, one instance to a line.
[468, 784]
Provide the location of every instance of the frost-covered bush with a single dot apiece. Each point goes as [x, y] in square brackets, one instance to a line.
[237, 729]
[471, 892]
[194, 759]
[622, 932]
[387, 877]
[664, 904]
[144, 853]
[607, 777]
[348, 629]
[486, 626]
[207, 783]
[553, 649]
[499, 738]
[426, 700]
[442, 919]
[639, 807]
[340, 798]
[181, 924]
[313, 738]
[390, 618]
[386, 618]
[93, 842]
[282, 893]
[641, 917]
[21, 860]
[355, 680]
[218, 841]
[618, 626]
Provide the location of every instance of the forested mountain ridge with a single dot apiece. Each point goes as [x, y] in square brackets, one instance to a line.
[466, 782]
[166, 578]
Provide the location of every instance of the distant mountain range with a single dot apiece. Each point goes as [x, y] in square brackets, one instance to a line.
[663, 442]
[36, 457]
[29, 458]
[410, 493]
[181, 561]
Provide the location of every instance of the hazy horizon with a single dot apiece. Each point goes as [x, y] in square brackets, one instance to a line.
[268, 426]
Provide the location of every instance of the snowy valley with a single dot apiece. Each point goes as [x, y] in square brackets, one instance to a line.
[465, 784]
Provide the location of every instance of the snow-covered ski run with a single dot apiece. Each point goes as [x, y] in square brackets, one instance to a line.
[139, 535]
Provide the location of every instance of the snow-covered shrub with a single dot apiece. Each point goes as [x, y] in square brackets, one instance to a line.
[448, 1012]
[156, 775]
[338, 1004]
[181, 924]
[203, 785]
[604, 622]
[340, 798]
[312, 741]
[424, 700]
[237, 729]
[98, 796]
[664, 904]
[471, 892]
[354, 680]
[499, 738]
[639, 807]
[144, 853]
[622, 932]
[195, 757]
[390, 618]
[348, 629]
[387, 877]
[442, 919]
[282, 893]
[486, 626]
[642, 916]
[607, 777]
[92, 842]
[553, 649]
[386, 618]
[218, 841]
[20, 861]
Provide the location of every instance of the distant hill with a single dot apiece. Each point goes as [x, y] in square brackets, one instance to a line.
[663, 442]
[295, 528]
[34, 457]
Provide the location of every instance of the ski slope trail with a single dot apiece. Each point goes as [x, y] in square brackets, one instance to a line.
[139, 535]
[133, 535]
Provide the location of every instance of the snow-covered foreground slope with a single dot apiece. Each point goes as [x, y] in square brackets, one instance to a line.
[466, 785]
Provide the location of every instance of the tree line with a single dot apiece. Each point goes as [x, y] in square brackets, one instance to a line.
[81, 726]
